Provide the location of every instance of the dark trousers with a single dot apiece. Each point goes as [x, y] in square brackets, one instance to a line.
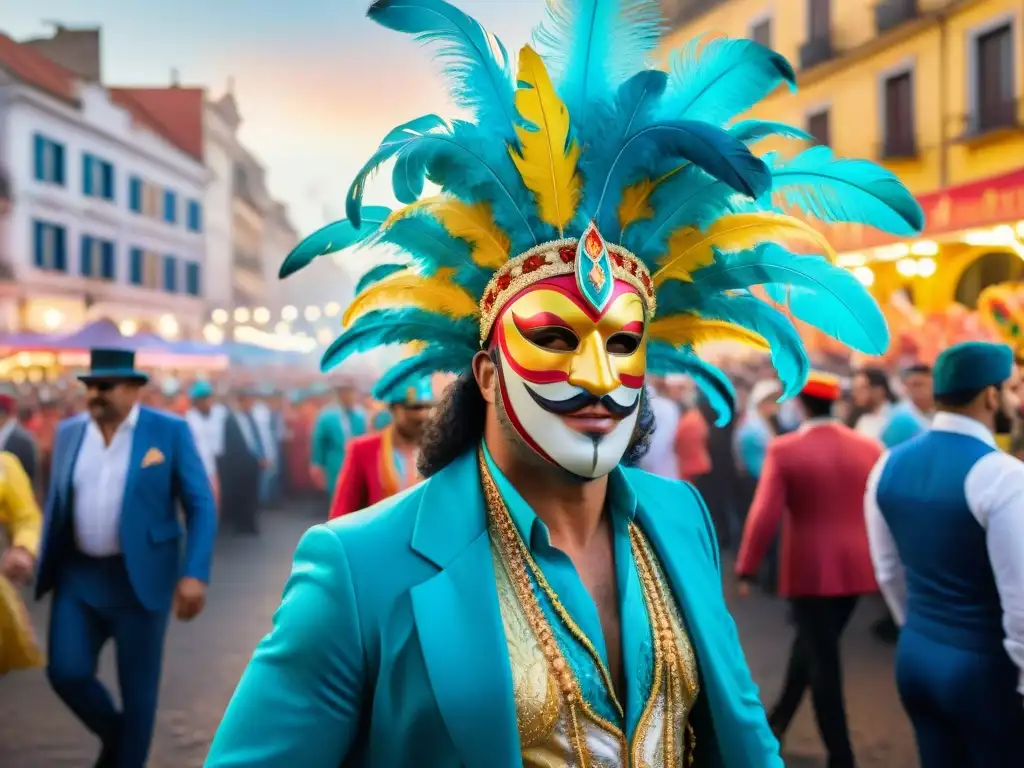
[94, 603]
[814, 663]
[963, 704]
[240, 494]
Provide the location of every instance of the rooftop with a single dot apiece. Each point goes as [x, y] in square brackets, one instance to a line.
[31, 68]
[176, 113]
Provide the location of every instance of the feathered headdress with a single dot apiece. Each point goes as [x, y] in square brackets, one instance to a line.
[586, 161]
[1001, 309]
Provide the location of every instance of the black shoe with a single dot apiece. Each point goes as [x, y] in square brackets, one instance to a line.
[108, 755]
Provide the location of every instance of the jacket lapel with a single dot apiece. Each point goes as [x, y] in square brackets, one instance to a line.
[695, 580]
[458, 620]
[140, 440]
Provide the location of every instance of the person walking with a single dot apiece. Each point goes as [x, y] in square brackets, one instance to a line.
[336, 424]
[812, 482]
[242, 465]
[112, 553]
[946, 528]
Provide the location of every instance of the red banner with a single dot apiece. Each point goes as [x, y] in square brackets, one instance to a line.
[984, 203]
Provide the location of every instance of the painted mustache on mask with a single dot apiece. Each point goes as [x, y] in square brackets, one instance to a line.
[584, 400]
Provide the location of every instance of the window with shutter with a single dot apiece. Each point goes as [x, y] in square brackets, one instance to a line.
[170, 274]
[819, 19]
[135, 194]
[88, 175]
[135, 258]
[996, 106]
[108, 266]
[900, 139]
[762, 33]
[170, 207]
[151, 270]
[192, 279]
[85, 258]
[818, 127]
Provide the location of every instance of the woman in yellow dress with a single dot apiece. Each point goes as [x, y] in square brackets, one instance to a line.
[22, 521]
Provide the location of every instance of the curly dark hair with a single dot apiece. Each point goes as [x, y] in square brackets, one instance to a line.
[458, 426]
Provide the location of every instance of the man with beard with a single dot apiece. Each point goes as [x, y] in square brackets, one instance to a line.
[112, 552]
[946, 530]
[537, 600]
[382, 464]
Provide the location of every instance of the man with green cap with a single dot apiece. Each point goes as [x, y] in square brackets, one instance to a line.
[206, 420]
[945, 518]
[337, 423]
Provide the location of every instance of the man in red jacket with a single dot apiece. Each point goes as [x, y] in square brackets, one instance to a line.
[813, 484]
[383, 463]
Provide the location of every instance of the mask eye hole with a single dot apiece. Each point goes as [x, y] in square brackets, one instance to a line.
[623, 343]
[553, 338]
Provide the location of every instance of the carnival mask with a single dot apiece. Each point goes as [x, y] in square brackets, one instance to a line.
[571, 375]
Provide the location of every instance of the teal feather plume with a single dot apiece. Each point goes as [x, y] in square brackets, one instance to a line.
[753, 131]
[401, 326]
[665, 360]
[408, 180]
[831, 299]
[839, 189]
[376, 274]
[397, 139]
[433, 248]
[722, 79]
[746, 310]
[688, 197]
[434, 359]
[334, 237]
[591, 47]
[476, 62]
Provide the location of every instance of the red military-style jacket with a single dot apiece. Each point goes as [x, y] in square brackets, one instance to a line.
[368, 475]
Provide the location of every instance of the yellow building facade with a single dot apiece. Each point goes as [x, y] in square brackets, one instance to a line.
[931, 89]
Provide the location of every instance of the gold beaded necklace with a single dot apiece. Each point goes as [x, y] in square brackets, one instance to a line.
[668, 668]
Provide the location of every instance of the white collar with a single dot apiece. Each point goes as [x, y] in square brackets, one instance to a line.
[963, 425]
[820, 421]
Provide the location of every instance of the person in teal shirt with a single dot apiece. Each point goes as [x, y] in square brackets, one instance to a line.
[538, 600]
[337, 424]
[913, 415]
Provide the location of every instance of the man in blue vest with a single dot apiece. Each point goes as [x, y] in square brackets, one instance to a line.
[945, 516]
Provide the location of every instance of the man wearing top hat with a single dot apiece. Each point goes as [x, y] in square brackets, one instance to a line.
[383, 463]
[945, 516]
[115, 555]
[14, 438]
[812, 484]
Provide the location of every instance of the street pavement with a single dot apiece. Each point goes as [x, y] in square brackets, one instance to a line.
[205, 658]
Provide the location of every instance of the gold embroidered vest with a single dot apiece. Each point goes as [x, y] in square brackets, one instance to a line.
[558, 727]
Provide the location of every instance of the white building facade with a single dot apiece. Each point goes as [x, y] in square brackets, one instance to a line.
[107, 216]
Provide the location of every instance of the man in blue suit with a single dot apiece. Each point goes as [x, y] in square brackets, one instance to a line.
[112, 551]
[945, 516]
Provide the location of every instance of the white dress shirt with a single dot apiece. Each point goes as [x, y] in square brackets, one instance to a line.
[873, 424]
[661, 458]
[208, 433]
[263, 417]
[101, 472]
[994, 489]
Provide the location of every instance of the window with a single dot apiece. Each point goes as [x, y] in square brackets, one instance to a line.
[150, 201]
[195, 216]
[135, 258]
[170, 207]
[996, 106]
[761, 32]
[898, 105]
[108, 261]
[97, 258]
[97, 177]
[49, 160]
[818, 127]
[193, 283]
[819, 19]
[143, 268]
[85, 259]
[170, 274]
[135, 194]
[49, 242]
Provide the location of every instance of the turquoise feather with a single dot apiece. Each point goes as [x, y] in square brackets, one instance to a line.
[334, 237]
[378, 273]
[432, 248]
[833, 300]
[433, 359]
[753, 131]
[476, 62]
[665, 360]
[397, 139]
[591, 47]
[723, 79]
[839, 189]
[401, 326]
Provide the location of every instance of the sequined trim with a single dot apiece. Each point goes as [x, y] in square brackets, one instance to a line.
[551, 260]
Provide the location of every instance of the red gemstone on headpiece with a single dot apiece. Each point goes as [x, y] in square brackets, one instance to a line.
[593, 244]
[568, 254]
[617, 258]
[504, 281]
[646, 280]
[534, 263]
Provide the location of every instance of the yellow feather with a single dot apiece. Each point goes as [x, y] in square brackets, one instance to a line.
[689, 248]
[408, 289]
[473, 223]
[691, 330]
[635, 205]
[547, 161]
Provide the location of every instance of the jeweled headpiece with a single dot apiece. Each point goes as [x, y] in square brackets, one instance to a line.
[589, 165]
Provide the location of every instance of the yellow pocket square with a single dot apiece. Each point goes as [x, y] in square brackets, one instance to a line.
[153, 456]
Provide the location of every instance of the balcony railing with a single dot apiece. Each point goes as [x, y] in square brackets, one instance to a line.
[1005, 115]
[816, 51]
[898, 147]
[889, 14]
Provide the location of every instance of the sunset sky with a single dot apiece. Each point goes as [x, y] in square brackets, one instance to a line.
[318, 84]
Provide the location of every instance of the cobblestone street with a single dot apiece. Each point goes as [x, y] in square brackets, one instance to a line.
[204, 660]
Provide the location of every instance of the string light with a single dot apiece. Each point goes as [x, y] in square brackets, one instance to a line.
[289, 314]
[312, 313]
[128, 328]
[261, 315]
[219, 316]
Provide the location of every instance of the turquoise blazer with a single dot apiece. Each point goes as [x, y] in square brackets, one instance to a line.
[388, 648]
[329, 439]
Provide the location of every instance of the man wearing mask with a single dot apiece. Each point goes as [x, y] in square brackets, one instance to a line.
[946, 528]
[911, 416]
[336, 424]
[382, 464]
